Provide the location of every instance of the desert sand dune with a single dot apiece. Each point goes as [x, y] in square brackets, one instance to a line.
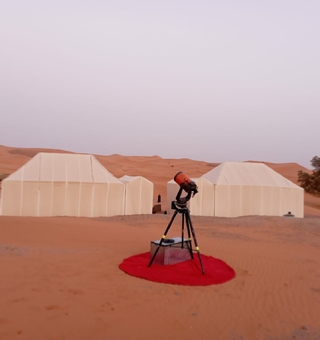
[60, 277]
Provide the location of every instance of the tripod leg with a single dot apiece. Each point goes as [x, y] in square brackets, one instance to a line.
[163, 237]
[182, 232]
[189, 236]
[195, 241]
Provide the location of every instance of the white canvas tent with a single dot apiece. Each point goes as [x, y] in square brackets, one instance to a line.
[56, 184]
[138, 195]
[202, 204]
[254, 189]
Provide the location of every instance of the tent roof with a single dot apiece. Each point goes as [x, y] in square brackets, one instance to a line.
[60, 167]
[127, 179]
[250, 174]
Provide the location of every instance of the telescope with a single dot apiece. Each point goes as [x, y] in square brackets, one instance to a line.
[180, 206]
[186, 184]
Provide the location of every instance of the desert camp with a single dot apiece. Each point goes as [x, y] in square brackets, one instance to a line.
[159, 170]
[55, 184]
[66, 270]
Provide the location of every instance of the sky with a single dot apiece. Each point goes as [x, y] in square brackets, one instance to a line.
[214, 80]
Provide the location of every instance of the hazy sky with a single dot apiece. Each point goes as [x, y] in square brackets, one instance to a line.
[207, 80]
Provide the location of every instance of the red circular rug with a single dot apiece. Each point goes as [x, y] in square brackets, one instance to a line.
[184, 273]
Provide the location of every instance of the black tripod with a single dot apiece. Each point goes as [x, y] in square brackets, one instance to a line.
[180, 206]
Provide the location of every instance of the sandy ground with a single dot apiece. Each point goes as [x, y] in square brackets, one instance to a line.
[59, 276]
[60, 280]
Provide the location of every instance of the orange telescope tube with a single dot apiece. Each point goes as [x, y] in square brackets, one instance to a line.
[181, 179]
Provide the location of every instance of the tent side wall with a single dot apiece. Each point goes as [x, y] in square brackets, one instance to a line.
[72, 198]
[98, 195]
[138, 195]
[132, 204]
[202, 204]
[11, 199]
[114, 199]
[147, 189]
[234, 201]
[45, 199]
[292, 199]
[237, 200]
[222, 201]
[19, 198]
[62, 185]
[31, 199]
[172, 190]
[62, 199]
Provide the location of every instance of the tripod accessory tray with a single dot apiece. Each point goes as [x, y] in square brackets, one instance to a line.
[171, 251]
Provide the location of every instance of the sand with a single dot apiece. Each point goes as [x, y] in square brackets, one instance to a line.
[59, 276]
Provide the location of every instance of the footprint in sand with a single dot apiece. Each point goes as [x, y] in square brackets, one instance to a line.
[52, 307]
[76, 291]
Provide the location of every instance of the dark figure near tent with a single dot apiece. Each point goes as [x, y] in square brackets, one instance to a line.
[159, 198]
